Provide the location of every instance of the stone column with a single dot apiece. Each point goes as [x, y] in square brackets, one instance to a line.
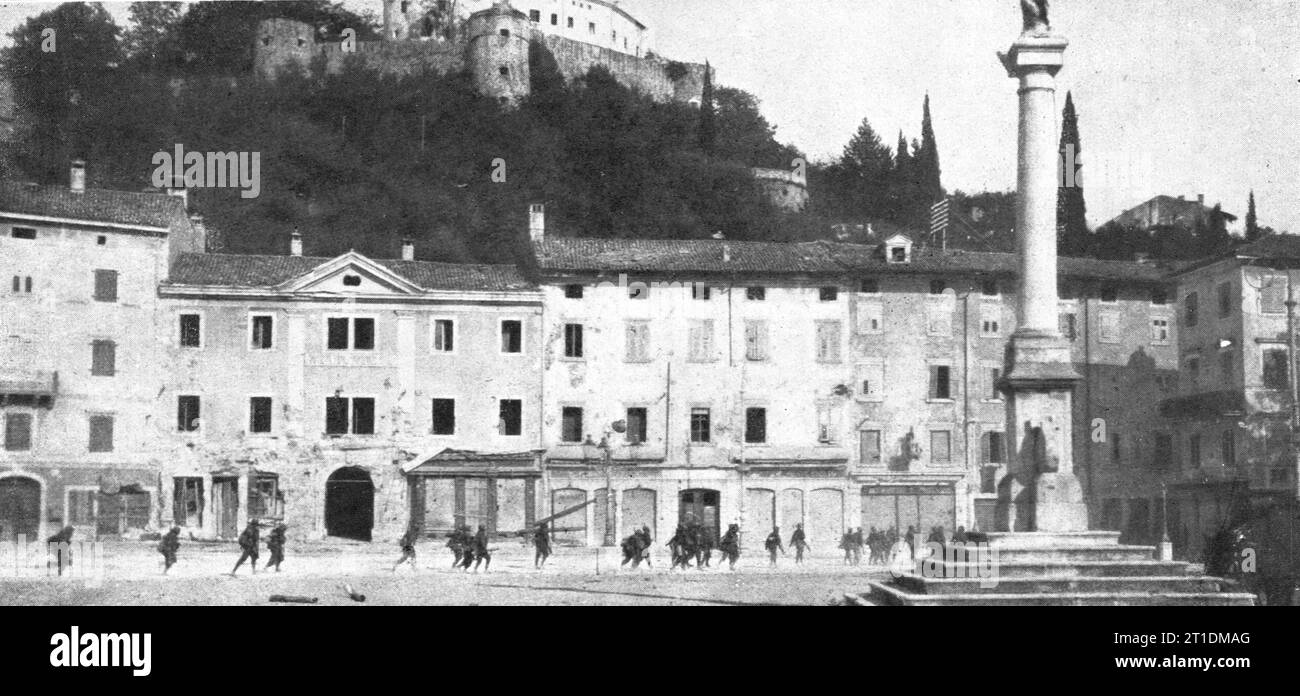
[1041, 492]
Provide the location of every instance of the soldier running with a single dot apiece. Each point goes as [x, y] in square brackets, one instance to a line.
[481, 552]
[407, 542]
[730, 545]
[275, 544]
[857, 546]
[773, 544]
[798, 542]
[248, 542]
[61, 545]
[168, 546]
[646, 543]
[542, 542]
[458, 541]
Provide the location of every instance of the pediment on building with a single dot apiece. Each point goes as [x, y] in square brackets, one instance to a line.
[351, 274]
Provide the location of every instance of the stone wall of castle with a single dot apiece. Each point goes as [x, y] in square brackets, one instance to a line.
[649, 75]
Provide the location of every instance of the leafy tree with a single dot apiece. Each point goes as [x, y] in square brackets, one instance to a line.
[867, 166]
[151, 43]
[1072, 235]
[743, 135]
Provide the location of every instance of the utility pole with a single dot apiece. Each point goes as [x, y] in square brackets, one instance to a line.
[609, 492]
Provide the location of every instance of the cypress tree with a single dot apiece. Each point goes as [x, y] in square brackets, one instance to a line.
[927, 160]
[708, 127]
[1072, 236]
[1252, 222]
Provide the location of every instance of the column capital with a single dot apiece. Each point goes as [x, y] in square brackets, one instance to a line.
[1035, 53]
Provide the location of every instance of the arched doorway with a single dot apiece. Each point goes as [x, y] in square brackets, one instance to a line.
[700, 505]
[20, 509]
[350, 504]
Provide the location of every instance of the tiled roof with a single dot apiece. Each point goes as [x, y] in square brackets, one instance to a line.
[93, 205]
[568, 254]
[247, 271]
[684, 255]
[1283, 246]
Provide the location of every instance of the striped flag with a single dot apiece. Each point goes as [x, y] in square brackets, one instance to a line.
[938, 218]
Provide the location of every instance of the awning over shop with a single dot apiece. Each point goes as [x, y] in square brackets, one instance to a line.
[39, 385]
[455, 462]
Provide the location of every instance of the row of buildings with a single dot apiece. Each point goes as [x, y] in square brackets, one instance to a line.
[146, 383]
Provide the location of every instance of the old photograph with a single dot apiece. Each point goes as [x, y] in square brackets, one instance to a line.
[833, 303]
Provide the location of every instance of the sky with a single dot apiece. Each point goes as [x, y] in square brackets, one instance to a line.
[1174, 97]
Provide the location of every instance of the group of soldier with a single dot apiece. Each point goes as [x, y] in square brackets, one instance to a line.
[249, 542]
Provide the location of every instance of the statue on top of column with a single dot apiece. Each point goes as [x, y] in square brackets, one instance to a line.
[1035, 12]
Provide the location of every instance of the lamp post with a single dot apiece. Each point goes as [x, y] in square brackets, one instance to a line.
[590, 449]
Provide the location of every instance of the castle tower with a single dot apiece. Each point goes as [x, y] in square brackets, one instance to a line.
[280, 43]
[398, 16]
[497, 56]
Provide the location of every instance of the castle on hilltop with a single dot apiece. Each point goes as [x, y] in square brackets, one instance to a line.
[491, 39]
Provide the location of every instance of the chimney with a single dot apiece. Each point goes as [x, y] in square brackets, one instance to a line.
[537, 222]
[1200, 198]
[77, 179]
[200, 234]
[295, 244]
[726, 253]
[408, 250]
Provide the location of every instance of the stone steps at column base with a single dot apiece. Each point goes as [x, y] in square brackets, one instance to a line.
[1065, 569]
[1191, 584]
[886, 595]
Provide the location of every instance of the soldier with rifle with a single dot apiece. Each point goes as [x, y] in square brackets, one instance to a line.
[168, 546]
[730, 545]
[773, 544]
[798, 542]
[248, 542]
[542, 543]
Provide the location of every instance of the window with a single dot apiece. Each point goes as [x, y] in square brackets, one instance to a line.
[81, 507]
[869, 286]
[1189, 309]
[898, 254]
[829, 294]
[1069, 325]
[510, 421]
[18, 432]
[187, 414]
[755, 425]
[827, 423]
[555, 19]
[444, 336]
[570, 22]
[512, 337]
[264, 497]
[259, 414]
[938, 286]
[989, 288]
[1116, 449]
[1275, 368]
[505, 71]
[101, 433]
[638, 291]
[352, 281]
[22, 233]
[23, 285]
[1194, 450]
[638, 341]
[701, 340]
[573, 291]
[262, 332]
[1228, 447]
[940, 446]
[636, 425]
[869, 447]
[701, 430]
[1272, 295]
[1225, 299]
[995, 448]
[191, 331]
[505, 33]
[1163, 456]
[591, 27]
[362, 333]
[755, 340]
[534, 15]
[187, 501]
[572, 340]
[444, 417]
[993, 393]
[991, 322]
[1159, 296]
[938, 319]
[1160, 330]
[871, 381]
[1109, 294]
[103, 358]
[828, 341]
[105, 286]
[700, 291]
[870, 317]
[1109, 329]
[940, 384]
[571, 424]
[756, 294]
[344, 415]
